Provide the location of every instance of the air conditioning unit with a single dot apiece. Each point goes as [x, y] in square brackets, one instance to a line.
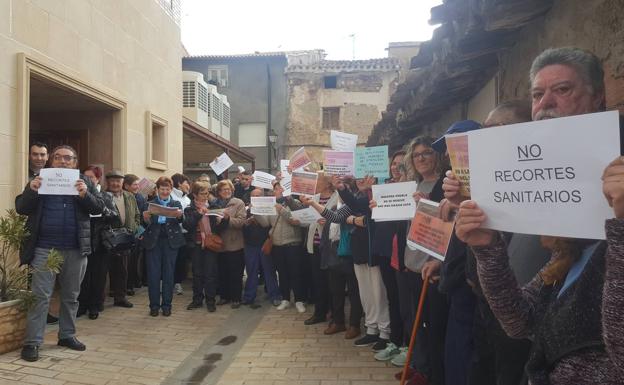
[195, 98]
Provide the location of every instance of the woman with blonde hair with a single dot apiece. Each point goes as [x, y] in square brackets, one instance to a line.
[232, 258]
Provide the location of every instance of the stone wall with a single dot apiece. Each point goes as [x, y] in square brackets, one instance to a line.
[361, 97]
[595, 25]
[12, 326]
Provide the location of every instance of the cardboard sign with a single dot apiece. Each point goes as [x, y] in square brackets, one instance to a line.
[299, 159]
[544, 177]
[221, 164]
[428, 233]
[457, 146]
[306, 216]
[263, 206]
[395, 201]
[372, 161]
[342, 141]
[58, 181]
[146, 186]
[304, 183]
[262, 180]
[338, 162]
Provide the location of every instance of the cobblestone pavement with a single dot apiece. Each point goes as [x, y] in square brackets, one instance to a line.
[229, 347]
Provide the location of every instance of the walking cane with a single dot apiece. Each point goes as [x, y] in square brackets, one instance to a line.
[421, 301]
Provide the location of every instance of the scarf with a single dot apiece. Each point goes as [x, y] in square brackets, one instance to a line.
[162, 219]
[204, 224]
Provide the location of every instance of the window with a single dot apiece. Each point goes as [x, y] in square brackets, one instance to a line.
[156, 142]
[330, 81]
[331, 118]
[188, 94]
[252, 135]
[218, 75]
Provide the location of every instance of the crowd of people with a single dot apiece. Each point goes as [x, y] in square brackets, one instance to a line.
[501, 308]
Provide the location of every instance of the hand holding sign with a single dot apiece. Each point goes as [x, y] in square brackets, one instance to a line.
[81, 187]
[451, 186]
[468, 225]
[35, 183]
[613, 186]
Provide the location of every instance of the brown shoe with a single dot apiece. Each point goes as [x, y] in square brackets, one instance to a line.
[352, 333]
[334, 328]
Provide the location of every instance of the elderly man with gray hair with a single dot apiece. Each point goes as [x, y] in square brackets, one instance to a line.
[572, 308]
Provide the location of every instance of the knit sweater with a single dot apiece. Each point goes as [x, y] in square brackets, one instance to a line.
[282, 232]
[518, 309]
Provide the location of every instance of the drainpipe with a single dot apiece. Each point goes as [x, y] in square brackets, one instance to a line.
[269, 144]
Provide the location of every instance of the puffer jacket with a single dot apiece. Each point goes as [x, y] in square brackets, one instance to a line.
[30, 204]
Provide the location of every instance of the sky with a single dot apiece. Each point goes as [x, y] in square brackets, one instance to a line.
[341, 27]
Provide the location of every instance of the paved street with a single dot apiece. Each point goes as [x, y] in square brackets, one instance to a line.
[229, 347]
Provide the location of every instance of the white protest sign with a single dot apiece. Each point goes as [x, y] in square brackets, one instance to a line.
[284, 166]
[342, 141]
[395, 201]
[58, 181]
[221, 163]
[299, 159]
[262, 180]
[544, 177]
[286, 183]
[263, 206]
[306, 216]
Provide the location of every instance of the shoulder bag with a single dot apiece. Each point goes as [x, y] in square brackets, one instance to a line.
[267, 246]
[118, 239]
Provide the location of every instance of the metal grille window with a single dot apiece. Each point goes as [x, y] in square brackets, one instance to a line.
[218, 75]
[331, 118]
[188, 94]
[202, 99]
[216, 107]
[226, 115]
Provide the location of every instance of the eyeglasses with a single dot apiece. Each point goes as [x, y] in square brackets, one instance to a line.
[424, 154]
[66, 158]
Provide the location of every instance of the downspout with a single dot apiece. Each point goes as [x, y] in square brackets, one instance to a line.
[269, 144]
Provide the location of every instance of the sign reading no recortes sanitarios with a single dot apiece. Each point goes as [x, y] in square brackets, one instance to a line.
[545, 177]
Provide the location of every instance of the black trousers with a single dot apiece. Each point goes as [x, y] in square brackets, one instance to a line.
[91, 295]
[231, 265]
[289, 263]
[320, 278]
[498, 359]
[205, 274]
[342, 276]
[181, 271]
[409, 285]
[118, 270]
[134, 278]
[388, 275]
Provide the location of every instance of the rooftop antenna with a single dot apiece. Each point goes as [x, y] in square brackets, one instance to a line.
[352, 36]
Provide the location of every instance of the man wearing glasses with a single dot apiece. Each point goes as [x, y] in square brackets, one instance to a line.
[59, 222]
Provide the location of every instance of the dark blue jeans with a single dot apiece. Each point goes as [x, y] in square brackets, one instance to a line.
[160, 266]
[254, 259]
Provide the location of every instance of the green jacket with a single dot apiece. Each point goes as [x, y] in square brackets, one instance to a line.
[133, 215]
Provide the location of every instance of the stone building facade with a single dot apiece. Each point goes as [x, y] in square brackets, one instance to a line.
[481, 54]
[103, 76]
[348, 96]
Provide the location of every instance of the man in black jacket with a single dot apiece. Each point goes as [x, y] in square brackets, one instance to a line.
[62, 223]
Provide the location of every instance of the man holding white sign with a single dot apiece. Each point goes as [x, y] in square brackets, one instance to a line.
[574, 310]
[62, 223]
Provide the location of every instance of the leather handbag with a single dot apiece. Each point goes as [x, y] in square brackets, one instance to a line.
[213, 242]
[118, 239]
[267, 246]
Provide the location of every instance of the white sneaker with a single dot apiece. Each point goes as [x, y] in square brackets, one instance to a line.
[300, 307]
[283, 305]
[388, 353]
[399, 359]
[178, 289]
